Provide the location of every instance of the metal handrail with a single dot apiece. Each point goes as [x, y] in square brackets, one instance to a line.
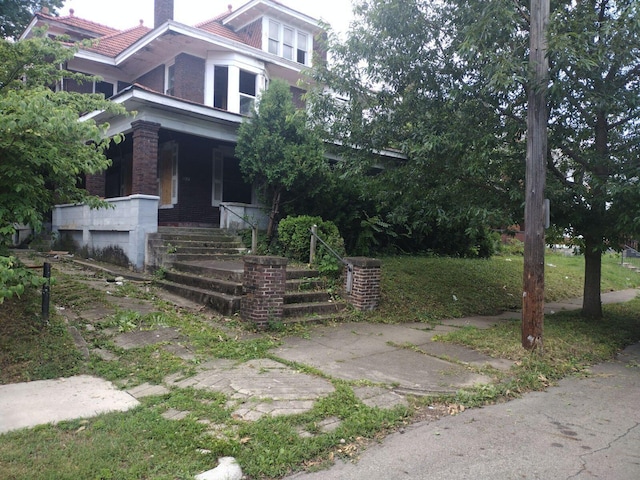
[254, 228]
[314, 234]
[626, 249]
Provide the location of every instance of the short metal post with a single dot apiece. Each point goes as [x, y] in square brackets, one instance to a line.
[349, 283]
[254, 240]
[312, 249]
[46, 292]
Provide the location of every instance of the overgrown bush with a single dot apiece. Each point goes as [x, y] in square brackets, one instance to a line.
[294, 239]
[512, 246]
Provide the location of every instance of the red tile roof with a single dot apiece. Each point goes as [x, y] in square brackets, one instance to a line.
[77, 22]
[214, 26]
[112, 45]
[111, 41]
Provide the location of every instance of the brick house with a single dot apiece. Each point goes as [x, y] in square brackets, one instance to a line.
[191, 87]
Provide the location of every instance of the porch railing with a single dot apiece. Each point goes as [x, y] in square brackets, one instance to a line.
[254, 228]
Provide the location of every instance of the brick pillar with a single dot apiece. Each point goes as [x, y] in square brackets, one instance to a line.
[365, 288]
[145, 158]
[264, 286]
[95, 184]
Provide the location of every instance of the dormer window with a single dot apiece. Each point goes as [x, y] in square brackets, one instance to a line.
[287, 42]
[302, 48]
[274, 37]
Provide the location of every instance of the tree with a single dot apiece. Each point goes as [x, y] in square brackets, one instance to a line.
[594, 115]
[44, 149]
[276, 148]
[397, 83]
[15, 15]
[447, 83]
[595, 133]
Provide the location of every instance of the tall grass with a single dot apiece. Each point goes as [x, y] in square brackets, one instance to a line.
[433, 288]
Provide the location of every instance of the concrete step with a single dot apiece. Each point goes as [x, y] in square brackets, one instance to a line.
[174, 238]
[306, 297]
[315, 318]
[225, 270]
[312, 308]
[159, 242]
[220, 255]
[198, 230]
[305, 284]
[194, 250]
[205, 282]
[220, 302]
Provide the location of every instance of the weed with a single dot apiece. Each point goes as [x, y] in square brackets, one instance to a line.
[160, 273]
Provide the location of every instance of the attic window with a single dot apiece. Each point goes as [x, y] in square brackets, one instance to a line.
[288, 43]
[274, 37]
[301, 51]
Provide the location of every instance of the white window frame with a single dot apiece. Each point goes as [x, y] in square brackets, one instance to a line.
[169, 80]
[253, 97]
[271, 25]
[278, 37]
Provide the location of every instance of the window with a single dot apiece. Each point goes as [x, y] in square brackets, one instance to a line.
[247, 92]
[274, 37]
[71, 85]
[220, 87]
[287, 43]
[170, 79]
[105, 88]
[301, 52]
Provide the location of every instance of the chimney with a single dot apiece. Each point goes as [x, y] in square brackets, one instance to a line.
[163, 11]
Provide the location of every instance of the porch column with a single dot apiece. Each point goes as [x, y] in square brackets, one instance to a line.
[145, 158]
[95, 184]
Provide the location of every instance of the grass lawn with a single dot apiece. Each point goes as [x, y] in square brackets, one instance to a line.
[142, 444]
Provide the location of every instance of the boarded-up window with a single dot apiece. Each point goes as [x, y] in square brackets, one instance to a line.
[168, 174]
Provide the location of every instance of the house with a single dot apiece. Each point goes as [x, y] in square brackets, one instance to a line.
[190, 88]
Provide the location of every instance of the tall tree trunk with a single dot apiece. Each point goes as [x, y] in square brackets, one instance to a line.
[591, 301]
[275, 207]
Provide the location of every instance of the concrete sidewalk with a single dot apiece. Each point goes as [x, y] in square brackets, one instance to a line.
[34, 403]
[393, 360]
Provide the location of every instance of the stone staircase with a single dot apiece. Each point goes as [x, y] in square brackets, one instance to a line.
[205, 265]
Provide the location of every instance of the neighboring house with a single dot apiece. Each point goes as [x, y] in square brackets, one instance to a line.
[191, 87]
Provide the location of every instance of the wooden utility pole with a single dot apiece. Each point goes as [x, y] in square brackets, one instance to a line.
[533, 284]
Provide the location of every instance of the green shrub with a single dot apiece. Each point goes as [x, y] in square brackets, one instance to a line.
[15, 277]
[294, 239]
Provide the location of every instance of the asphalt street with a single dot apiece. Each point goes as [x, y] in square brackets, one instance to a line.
[583, 428]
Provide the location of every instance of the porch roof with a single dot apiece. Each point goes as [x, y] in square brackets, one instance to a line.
[171, 112]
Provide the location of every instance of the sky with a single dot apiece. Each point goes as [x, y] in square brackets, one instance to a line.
[123, 14]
